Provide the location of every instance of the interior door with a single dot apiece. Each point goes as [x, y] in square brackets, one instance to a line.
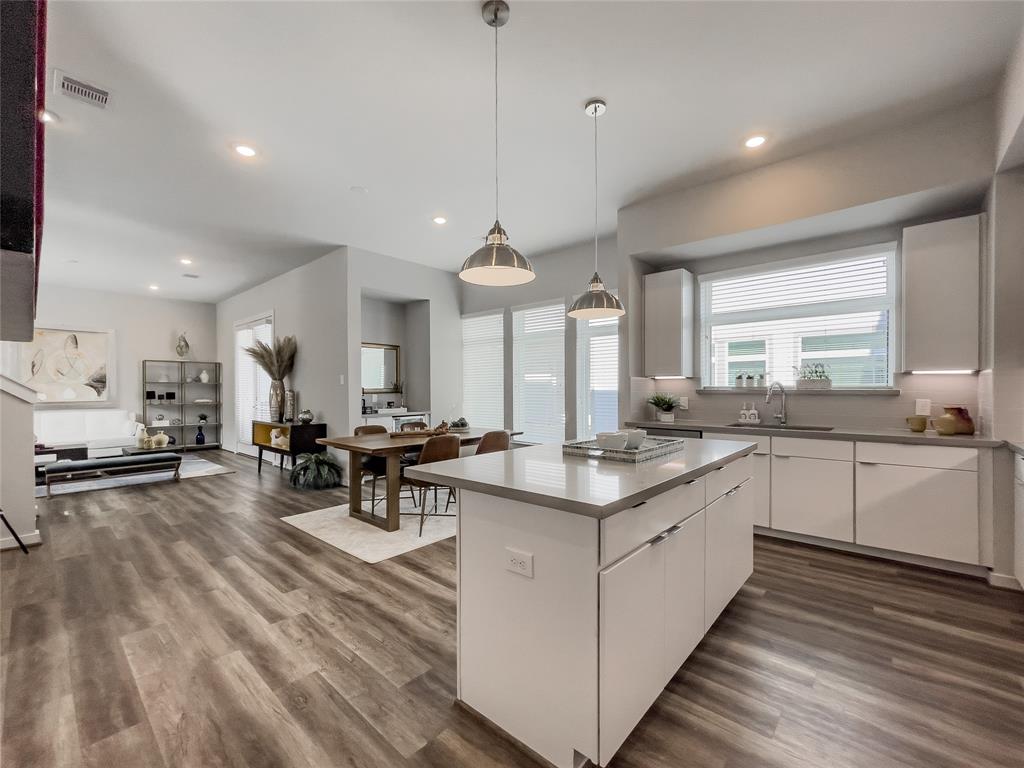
[632, 642]
[684, 591]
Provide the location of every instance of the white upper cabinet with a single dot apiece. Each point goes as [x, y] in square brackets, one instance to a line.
[668, 323]
[941, 310]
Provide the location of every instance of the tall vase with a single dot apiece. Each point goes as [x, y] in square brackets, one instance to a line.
[276, 400]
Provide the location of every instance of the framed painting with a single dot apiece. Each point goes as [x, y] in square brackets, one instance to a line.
[68, 367]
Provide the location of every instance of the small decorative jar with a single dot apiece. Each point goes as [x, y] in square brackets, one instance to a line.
[962, 417]
[305, 416]
[160, 440]
[204, 376]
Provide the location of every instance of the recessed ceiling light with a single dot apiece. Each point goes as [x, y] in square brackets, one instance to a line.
[46, 116]
[440, 220]
[154, 287]
[245, 150]
[70, 261]
[358, 189]
[185, 260]
[754, 142]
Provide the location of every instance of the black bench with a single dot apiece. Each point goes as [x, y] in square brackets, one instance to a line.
[83, 469]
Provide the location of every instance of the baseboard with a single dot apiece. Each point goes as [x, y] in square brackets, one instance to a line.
[8, 542]
[1005, 581]
[964, 569]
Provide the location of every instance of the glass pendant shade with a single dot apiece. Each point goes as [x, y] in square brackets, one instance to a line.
[497, 263]
[596, 303]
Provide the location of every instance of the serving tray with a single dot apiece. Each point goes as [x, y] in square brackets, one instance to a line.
[651, 448]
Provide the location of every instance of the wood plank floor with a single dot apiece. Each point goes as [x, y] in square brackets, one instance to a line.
[184, 625]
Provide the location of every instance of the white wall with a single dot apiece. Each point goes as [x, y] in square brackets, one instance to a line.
[310, 303]
[404, 281]
[950, 149]
[384, 323]
[1010, 111]
[146, 327]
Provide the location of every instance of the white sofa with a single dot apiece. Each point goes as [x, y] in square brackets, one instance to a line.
[104, 431]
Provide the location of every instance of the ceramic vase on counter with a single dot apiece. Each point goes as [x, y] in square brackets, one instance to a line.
[160, 440]
[961, 417]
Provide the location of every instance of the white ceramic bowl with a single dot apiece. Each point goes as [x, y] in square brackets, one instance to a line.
[635, 438]
[611, 440]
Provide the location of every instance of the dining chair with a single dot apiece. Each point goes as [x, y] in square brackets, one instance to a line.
[412, 426]
[437, 448]
[377, 466]
[491, 442]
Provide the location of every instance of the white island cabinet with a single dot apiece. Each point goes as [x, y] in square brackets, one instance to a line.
[584, 584]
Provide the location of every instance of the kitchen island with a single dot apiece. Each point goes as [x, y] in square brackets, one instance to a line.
[584, 584]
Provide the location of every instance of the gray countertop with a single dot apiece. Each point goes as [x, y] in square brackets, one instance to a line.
[542, 475]
[838, 433]
[1015, 447]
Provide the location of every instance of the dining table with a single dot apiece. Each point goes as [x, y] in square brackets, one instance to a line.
[392, 447]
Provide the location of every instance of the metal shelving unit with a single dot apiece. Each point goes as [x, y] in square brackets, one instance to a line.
[163, 377]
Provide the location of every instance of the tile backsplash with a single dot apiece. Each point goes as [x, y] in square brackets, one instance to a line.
[867, 411]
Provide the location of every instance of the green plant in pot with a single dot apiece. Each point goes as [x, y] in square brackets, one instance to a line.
[277, 360]
[315, 471]
[665, 405]
[813, 376]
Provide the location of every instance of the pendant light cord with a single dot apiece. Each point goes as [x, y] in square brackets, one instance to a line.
[496, 115]
[595, 189]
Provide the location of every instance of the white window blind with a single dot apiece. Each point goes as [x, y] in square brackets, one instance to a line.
[252, 384]
[597, 376]
[538, 373]
[483, 370]
[834, 311]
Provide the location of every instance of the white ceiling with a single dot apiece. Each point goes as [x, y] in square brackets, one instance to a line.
[396, 97]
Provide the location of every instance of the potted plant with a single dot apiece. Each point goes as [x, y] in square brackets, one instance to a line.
[665, 404]
[277, 360]
[201, 418]
[813, 376]
[315, 471]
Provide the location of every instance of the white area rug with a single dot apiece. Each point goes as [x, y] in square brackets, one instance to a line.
[370, 544]
[190, 467]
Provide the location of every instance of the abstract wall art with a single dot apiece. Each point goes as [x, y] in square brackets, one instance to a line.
[68, 366]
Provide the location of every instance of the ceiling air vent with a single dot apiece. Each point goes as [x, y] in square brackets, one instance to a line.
[190, 276]
[76, 89]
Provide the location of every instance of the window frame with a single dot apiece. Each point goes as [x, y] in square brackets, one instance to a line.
[500, 314]
[514, 386]
[243, 443]
[889, 302]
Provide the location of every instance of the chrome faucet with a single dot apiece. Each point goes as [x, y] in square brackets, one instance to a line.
[776, 386]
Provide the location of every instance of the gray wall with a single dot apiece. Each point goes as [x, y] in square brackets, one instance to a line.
[146, 327]
[310, 303]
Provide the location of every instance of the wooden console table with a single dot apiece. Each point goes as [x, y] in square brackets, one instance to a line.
[301, 439]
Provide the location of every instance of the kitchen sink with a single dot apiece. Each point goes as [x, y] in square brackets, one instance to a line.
[795, 427]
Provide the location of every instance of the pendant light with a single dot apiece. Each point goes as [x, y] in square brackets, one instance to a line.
[497, 263]
[596, 303]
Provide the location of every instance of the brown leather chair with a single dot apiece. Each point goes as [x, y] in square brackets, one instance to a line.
[374, 465]
[412, 426]
[492, 442]
[437, 448]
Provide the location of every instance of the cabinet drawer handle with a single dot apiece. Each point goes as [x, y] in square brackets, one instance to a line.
[718, 469]
[691, 482]
[730, 493]
[638, 504]
[868, 463]
[780, 456]
[674, 530]
[659, 538]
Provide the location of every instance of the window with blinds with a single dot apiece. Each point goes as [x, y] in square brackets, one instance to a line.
[597, 376]
[538, 373]
[483, 370]
[832, 313]
[252, 384]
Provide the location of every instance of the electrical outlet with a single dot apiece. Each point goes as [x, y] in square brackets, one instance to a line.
[684, 404]
[341, 379]
[519, 562]
[923, 407]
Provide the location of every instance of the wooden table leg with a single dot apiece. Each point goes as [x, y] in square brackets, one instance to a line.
[355, 492]
[394, 485]
[259, 460]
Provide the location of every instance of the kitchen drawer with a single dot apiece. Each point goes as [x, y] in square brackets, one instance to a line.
[934, 456]
[837, 450]
[626, 530]
[726, 478]
[764, 442]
